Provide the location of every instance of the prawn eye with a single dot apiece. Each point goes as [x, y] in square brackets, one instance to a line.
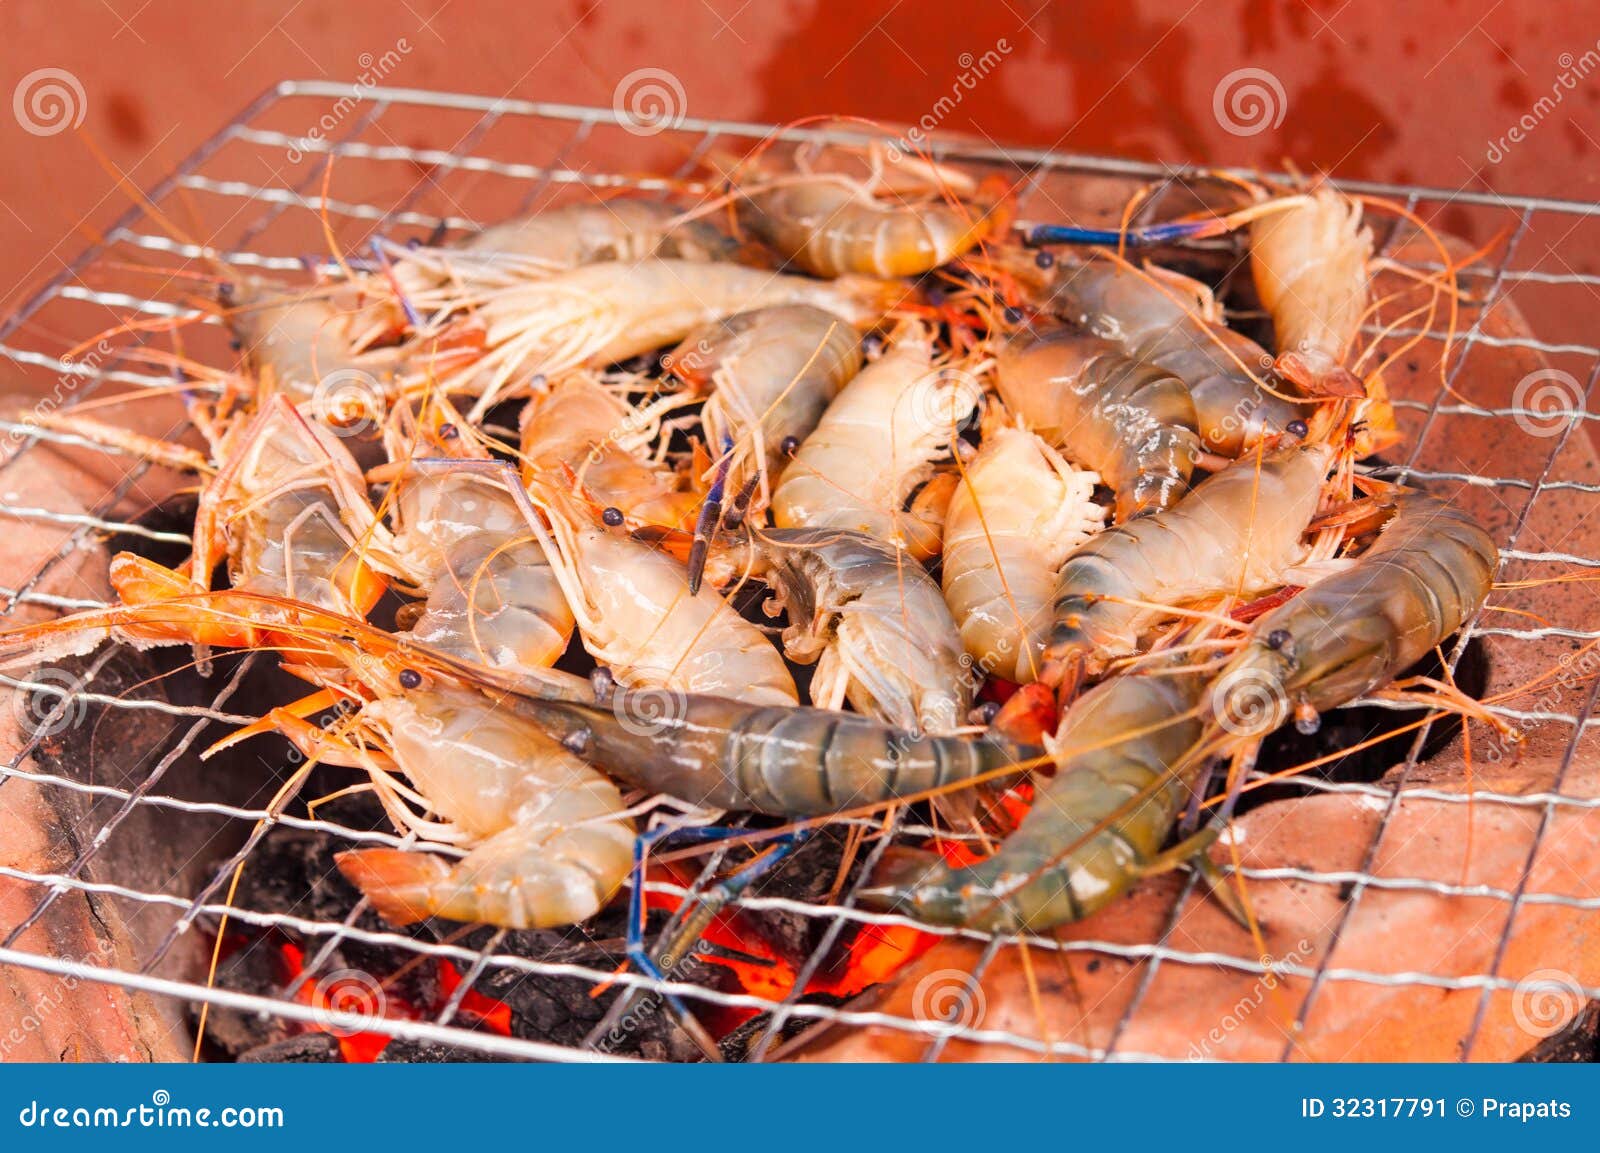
[986, 712]
[1296, 428]
[410, 679]
[612, 516]
[790, 443]
[1013, 315]
[1278, 638]
[448, 432]
[872, 344]
[1044, 258]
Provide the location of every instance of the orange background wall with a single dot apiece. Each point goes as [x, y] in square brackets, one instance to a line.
[1373, 88]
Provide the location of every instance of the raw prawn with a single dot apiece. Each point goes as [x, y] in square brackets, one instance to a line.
[725, 754]
[1095, 828]
[1429, 570]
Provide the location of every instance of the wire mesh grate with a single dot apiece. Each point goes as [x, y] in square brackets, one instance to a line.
[410, 162]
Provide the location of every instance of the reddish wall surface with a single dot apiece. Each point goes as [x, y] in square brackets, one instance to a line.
[1372, 88]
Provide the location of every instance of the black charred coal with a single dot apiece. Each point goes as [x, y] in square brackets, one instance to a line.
[1578, 1043]
[564, 1011]
[256, 968]
[402, 1051]
[740, 1045]
[306, 1049]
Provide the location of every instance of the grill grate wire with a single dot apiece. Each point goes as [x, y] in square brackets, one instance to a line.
[259, 205]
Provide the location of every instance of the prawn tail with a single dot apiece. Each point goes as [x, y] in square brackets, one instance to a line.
[403, 886]
[920, 879]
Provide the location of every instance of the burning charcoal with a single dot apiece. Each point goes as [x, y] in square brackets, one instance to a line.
[306, 1049]
[563, 1011]
[255, 967]
[809, 875]
[403, 1051]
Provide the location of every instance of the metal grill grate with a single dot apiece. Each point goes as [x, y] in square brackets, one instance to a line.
[261, 206]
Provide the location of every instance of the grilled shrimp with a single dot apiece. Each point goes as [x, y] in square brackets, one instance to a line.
[1170, 321]
[876, 442]
[1235, 534]
[301, 339]
[289, 509]
[491, 595]
[547, 836]
[566, 237]
[1429, 570]
[771, 374]
[1129, 421]
[428, 278]
[1310, 268]
[726, 754]
[875, 623]
[1095, 828]
[1016, 515]
[583, 428]
[602, 313]
[636, 615]
[830, 225]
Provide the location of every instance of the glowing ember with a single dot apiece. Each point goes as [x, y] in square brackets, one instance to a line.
[347, 994]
